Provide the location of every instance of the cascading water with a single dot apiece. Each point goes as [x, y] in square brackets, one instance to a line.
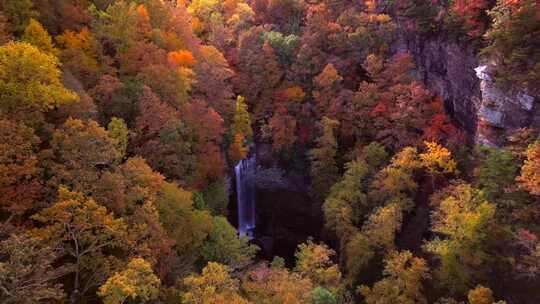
[245, 192]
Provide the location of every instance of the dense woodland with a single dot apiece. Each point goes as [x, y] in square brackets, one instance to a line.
[120, 122]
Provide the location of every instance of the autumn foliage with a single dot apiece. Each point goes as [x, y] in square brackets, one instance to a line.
[122, 121]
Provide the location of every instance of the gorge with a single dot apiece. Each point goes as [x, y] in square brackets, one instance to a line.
[270, 151]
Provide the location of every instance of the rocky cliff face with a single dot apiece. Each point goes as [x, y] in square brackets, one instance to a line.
[447, 68]
[451, 69]
[502, 112]
[286, 215]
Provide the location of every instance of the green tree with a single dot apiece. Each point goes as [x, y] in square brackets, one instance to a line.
[136, 281]
[347, 203]
[377, 237]
[320, 295]
[397, 179]
[204, 10]
[466, 224]
[358, 253]
[224, 246]
[121, 25]
[119, 133]
[189, 228]
[402, 284]
[324, 171]
[384, 223]
[277, 262]
[512, 39]
[216, 197]
[375, 156]
[497, 171]
[284, 45]
[390, 196]
[30, 82]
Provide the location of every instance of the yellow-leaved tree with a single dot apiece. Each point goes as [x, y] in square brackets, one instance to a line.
[37, 35]
[85, 232]
[314, 261]
[482, 295]
[402, 283]
[30, 82]
[466, 229]
[241, 131]
[137, 281]
[214, 285]
[438, 161]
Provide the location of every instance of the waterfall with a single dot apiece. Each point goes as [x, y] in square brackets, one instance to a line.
[245, 192]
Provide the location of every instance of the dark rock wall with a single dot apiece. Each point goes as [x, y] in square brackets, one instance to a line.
[286, 215]
[447, 68]
[452, 69]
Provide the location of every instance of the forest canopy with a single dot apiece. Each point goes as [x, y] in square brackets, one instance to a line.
[121, 123]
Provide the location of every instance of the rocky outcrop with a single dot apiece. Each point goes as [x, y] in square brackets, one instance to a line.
[502, 112]
[447, 67]
[451, 69]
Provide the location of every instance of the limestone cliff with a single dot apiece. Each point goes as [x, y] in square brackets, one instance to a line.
[452, 70]
[447, 68]
[502, 112]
